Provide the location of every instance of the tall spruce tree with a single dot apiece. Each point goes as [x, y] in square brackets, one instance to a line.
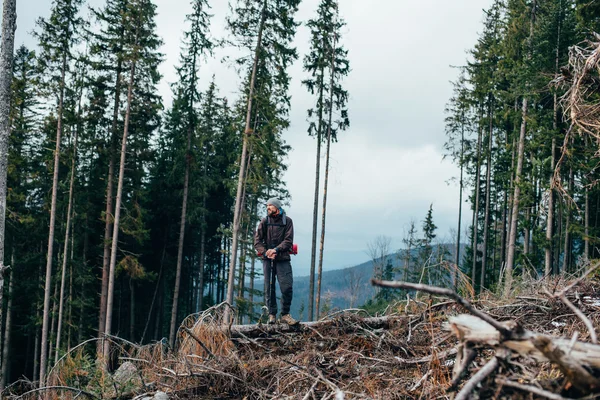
[327, 64]
[197, 45]
[339, 67]
[267, 28]
[142, 59]
[57, 36]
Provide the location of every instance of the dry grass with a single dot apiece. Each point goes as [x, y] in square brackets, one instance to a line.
[411, 358]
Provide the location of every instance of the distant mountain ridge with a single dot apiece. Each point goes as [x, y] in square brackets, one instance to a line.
[348, 287]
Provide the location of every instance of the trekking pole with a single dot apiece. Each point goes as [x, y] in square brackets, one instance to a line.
[272, 286]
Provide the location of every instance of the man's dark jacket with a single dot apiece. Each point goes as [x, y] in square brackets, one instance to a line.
[276, 232]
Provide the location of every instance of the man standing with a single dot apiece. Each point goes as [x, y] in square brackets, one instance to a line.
[273, 239]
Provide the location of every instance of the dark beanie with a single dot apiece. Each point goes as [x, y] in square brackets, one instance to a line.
[275, 202]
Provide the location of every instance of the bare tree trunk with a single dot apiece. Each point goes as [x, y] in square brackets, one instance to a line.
[7, 328]
[245, 247]
[186, 181]
[548, 261]
[567, 249]
[550, 221]
[115, 235]
[586, 229]
[38, 310]
[9, 25]
[242, 174]
[50, 255]
[510, 258]
[510, 197]
[476, 208]
[53, 315]
[108, 213]
[203, 234]
[488, 184]
[70, 302]
[66, 246]
[460, 197]
[324, 208]
[201, 268]
[311, 284]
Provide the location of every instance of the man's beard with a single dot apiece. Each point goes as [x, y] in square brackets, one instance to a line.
[272, 213]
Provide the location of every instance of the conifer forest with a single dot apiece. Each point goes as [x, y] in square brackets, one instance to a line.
[125, 219]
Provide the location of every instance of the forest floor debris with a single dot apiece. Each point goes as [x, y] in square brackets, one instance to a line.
[427, 347]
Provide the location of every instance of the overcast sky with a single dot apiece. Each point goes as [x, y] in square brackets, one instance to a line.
[387, 168]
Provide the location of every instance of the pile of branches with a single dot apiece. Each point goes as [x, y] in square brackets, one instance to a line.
[541, 344]
[581, 102]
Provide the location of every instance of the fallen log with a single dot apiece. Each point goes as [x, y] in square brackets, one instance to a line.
[352, 323]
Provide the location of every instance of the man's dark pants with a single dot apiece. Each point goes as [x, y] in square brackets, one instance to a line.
[283, 270]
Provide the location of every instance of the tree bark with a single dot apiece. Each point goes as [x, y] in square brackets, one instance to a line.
[242, 174]
[115, 235]
[7, 329]
[9, 25]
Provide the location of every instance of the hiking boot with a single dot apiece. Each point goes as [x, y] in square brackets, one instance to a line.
[272, 319]
[287, 318]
